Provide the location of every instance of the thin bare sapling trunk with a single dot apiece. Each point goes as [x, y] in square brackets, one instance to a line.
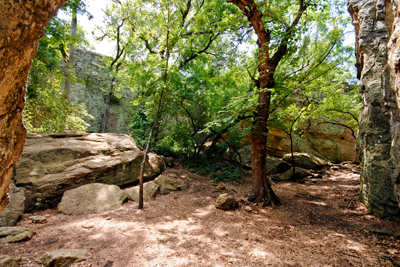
[157, 117]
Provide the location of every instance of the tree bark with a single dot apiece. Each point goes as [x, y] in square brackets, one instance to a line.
[22, 24]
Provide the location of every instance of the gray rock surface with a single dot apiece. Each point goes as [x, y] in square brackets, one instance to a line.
[378, 141]
[62, 257]
[12, 234]
[299, 174]
[92, 198]
[167, 184]
[11, 213]
[150, 190]
[305, 160]
[226, 202]
[52, 164]
[8, 261]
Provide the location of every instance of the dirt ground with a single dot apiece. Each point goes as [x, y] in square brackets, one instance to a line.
[320, 224]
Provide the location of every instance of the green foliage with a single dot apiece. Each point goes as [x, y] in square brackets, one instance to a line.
[47, 110]
[220, 171]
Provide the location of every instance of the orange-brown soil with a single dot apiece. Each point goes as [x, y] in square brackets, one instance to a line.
[321, 223]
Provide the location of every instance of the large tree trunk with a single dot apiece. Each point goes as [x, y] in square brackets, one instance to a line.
[22, 24]
[261, 189]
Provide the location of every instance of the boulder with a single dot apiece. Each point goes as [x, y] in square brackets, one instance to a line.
[12, 234]
[8, 261]
[305, 160]
[54, 163]
[62, 257]
[10, 215]
[226, 202]
[92, 198]
[150, 190]
[167, 184]
[275, 165]
[299, 173]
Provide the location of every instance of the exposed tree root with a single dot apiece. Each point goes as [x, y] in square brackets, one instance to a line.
[266, 197]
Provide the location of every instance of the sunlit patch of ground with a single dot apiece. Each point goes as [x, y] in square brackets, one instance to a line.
[320, 224]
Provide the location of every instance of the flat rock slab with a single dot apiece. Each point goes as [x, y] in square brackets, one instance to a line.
[92, 198]
[62, 257]
[150, 190]
[8, 261]
[11, 213]
[14, 234]
[226, 202]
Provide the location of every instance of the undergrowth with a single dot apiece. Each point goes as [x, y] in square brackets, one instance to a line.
[220, 171]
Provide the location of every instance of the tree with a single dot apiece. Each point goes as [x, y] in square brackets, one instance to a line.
[276, 36]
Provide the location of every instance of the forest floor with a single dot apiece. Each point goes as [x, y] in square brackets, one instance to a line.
[321, 223]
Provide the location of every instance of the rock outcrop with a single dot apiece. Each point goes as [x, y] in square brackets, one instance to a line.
[378, 142]
[21, 26]
[52, 164]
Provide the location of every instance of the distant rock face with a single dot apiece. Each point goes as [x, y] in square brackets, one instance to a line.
[376, 25]
[52, 164]
[92, 198]
[91, 89]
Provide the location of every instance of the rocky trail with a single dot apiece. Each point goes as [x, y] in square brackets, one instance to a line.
[321, 223]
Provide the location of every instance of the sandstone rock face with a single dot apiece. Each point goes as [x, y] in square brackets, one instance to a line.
[150, 190]
[226, 202]
[63, 257]
[21, 26]
[15, 234]
[52, 164]
[92, 198]
[305, 161]
[330, 142]
[10, 215]
[378, 139]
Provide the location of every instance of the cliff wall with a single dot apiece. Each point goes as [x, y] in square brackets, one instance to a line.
[378, 138]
